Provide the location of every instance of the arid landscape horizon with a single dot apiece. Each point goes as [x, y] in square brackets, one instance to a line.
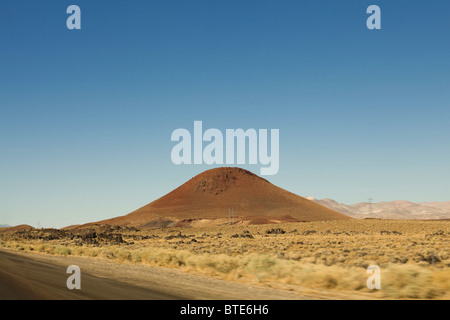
[229, 224]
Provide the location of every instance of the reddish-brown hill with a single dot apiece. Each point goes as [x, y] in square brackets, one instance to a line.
[21, 227]
[210, 194]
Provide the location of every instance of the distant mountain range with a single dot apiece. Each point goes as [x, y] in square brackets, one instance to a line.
[4, 225]
[399, 209]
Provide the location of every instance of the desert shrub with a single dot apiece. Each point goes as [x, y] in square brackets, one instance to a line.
[275, 231]
[406, 281]
[62, 250]
[107, 254]
[123, 255]
[260, 263]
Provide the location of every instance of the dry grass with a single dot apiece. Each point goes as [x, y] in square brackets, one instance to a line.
[413, 255]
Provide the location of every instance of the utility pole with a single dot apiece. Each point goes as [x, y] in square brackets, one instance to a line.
[370, 206]
[230, 216]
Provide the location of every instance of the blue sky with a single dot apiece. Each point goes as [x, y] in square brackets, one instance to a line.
[86, 115]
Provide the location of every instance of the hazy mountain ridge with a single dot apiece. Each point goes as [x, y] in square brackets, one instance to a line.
[399, 209]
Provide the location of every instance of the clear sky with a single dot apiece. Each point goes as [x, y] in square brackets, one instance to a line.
[86, 115]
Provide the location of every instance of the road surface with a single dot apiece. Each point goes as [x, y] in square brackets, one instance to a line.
[24, 278]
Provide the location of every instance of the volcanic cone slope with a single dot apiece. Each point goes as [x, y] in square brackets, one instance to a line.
[213, 193]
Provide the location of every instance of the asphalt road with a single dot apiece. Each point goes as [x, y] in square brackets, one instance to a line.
[22, 279]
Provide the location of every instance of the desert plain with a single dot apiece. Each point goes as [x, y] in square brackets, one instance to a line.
[296, 257]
